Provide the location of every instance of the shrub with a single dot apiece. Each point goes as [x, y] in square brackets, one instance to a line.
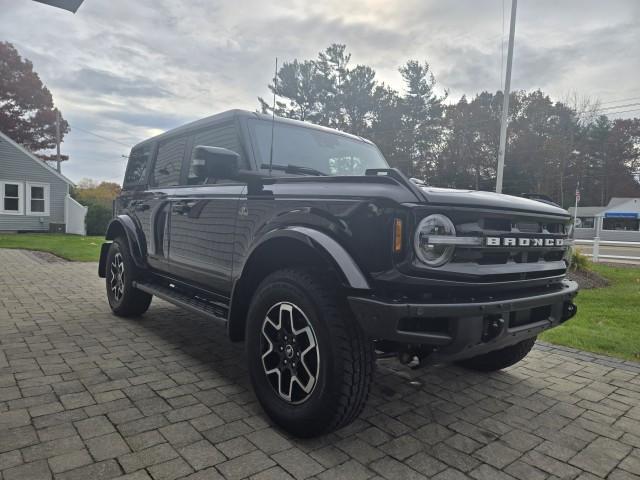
[98, 218]
[579, 261]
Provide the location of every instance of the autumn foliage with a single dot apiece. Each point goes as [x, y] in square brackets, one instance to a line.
[27, 112]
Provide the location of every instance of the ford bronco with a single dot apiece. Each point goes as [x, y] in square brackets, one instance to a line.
[310, 249]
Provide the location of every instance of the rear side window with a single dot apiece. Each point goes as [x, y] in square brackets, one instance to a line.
[138, 165]
[166, 171]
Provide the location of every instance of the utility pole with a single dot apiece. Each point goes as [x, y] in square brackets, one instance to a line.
[58, 139]
[505, 102]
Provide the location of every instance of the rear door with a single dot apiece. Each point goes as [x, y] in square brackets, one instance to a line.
[138, 201]
[164, 181]
[204, 215]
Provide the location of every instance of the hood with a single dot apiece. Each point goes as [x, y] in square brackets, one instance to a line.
[476, 198]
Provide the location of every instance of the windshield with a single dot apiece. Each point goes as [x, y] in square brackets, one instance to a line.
[327, 152]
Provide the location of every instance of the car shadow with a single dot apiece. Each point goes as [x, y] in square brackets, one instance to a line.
[401, 399]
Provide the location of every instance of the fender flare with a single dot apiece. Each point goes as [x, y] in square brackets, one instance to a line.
[126, 223]
[327, 247]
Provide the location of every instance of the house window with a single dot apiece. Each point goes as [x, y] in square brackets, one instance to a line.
[38, 199]
[12, 200]
[585, 222]
[625, 224]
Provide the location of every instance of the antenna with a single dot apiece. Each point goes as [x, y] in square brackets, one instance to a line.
[273, 115]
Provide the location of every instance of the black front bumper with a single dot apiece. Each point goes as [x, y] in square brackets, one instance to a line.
[467, 328]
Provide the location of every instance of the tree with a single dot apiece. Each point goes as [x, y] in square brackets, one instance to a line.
[471, 132]
[98, 197]
[422, 114]
[89, 191]
[551, 145]
[27, 112]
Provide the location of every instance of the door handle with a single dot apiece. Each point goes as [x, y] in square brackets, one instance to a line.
[139, 206]
[182, 208]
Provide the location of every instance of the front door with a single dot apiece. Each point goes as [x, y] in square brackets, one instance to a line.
[201, 238]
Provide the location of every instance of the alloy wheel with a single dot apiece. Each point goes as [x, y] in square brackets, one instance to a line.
[290, 354]
[116, 283]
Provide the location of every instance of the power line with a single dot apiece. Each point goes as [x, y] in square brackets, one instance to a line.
[619, 100]
[625, 111]
[618, 106]
[100, 136]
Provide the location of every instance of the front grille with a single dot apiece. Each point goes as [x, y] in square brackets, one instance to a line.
[485, 256]
[508, 226]
[522, 261]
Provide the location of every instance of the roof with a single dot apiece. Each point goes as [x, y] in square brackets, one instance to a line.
[237, 113]
[587, 211]
[619, 201]
[595, 211]
[35, 159]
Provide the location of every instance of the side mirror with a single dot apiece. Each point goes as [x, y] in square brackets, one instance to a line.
[215, 162]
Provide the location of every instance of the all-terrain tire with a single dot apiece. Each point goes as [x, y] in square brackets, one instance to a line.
[345, 356]
[121, 271]
[499, 359]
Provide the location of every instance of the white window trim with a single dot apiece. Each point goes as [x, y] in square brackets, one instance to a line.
[20, 197]
[47, 199]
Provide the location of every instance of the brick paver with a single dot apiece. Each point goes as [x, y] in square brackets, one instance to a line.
[87, 395]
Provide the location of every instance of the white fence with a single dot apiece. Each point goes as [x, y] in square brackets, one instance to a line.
[596, 243]
[74, 215]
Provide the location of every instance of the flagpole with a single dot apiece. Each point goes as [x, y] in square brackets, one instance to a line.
[575, 210]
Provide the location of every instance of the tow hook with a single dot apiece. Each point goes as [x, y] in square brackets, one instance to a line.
[569, 310]
[493, 326]
[413, 357]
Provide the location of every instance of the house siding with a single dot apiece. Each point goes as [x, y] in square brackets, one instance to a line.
[15, 165]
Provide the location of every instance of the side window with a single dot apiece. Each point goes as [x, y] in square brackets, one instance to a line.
[585, 222]
[37, 198]
[12, 200]
[166, 171]
[224, 135]
[138, 165]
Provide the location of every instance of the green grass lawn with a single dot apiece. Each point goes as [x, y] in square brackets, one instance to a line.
[608, 319]
[71, 247]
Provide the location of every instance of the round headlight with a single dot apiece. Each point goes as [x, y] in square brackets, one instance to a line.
[434, 254]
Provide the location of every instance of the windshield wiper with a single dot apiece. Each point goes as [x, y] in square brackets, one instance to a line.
[299, 169]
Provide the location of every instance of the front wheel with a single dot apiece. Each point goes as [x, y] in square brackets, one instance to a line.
[499, 359]
[124, 299]
[310, 363]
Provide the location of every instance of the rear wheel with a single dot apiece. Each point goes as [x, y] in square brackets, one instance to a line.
[499, 359]
[124, 299]
[310, 363]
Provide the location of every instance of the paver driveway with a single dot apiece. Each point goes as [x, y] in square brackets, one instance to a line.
[86, 395]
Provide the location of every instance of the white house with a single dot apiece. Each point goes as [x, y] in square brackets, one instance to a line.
[618, 221]
[34, 196]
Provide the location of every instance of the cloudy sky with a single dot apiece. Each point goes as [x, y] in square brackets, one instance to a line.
[126, 70]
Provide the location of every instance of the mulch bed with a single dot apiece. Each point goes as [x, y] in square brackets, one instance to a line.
[588, 279]
[45, 256]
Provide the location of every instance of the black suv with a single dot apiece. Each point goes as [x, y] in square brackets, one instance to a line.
[320, 257]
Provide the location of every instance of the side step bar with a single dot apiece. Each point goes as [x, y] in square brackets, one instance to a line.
[200, 306]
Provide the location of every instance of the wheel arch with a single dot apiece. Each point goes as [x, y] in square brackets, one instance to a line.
[289, 247]
[124, 226]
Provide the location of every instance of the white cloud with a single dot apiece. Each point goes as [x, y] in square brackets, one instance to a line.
[127, 69]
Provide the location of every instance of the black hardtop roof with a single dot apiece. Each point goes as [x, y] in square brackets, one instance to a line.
[238, 113]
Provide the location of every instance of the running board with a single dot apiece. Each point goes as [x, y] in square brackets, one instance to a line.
[200, 306]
